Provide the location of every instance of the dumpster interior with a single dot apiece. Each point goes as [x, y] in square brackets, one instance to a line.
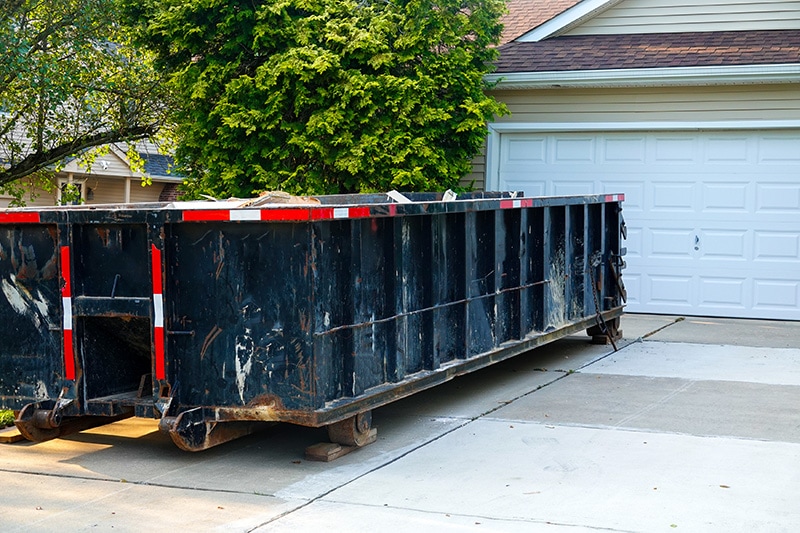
[115, 355]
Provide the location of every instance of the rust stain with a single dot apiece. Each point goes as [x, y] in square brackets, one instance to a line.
[28, 268]
[219, 256]
[213, 334]
[267, 400]
[103, 232]
[304, 321]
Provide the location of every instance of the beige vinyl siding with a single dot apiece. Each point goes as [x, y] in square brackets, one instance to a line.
[148, 193]
[664, 16]
[106, 191]
[112, 191]
[476, 179]
[44, 199]
[692, 104]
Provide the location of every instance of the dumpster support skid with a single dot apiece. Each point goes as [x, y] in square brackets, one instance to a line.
[194, 430]
[42, 421]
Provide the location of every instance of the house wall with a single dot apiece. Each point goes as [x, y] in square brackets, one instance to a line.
[655, 16]
[112, 191]
[104, 191]
[44, 199]
[692, 104]
[148, 193]
[477, 178]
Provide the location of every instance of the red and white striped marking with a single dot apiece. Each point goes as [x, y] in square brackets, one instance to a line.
[516, 203]
[615, 198]
[293, 214]
[158, 314]
[66, 304]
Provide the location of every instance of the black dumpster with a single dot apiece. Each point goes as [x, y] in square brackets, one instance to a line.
[214, 316]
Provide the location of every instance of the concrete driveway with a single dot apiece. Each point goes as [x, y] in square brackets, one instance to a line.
[693, 425]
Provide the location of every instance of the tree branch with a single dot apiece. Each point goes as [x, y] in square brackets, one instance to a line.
[42, 159]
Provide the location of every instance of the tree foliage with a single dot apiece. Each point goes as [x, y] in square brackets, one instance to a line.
[325, 96]
[69, 81]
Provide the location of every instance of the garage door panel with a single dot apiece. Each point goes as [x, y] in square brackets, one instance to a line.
[633, 284]
[528, 150]
[713, 217]
[670, 290]
[727, 245]
[773, 294]
[678, 149]
[624, 150]
[672, 243]
[729, 150]
[673, 197]
[726, 197]
[778, 198]
[531, 188]
[634, 242]
[778, 246]
[778, 149]
[573, 188]
[723, 292]
[574, 150]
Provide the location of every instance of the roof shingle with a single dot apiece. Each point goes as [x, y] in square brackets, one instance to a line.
[653, 50]
[525, 15]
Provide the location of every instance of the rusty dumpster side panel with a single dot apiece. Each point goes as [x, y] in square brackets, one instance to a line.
[210, 317]
[30, 314]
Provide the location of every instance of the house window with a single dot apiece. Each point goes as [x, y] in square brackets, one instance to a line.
[71, 192]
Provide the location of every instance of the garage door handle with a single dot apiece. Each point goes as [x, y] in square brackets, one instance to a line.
[696, 242]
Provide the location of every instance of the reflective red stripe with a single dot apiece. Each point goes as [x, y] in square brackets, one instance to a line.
[156, 268]
[359, 212]
[69, 358]
[161, 371]
[206, 215]
[66, 289]
[19, 218]
[66, 303]
[287, 215]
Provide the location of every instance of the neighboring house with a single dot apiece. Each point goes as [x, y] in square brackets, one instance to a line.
[692, 109]
[112, 181]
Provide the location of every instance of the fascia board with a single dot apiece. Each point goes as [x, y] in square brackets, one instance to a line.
[648, 77]
[166, 179]
[567, 20]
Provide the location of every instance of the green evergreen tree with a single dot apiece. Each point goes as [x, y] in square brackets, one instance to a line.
[325, 96]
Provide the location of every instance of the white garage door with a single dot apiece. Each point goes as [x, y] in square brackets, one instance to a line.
[713, 217]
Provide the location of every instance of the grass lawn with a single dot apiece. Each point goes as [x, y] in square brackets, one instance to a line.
[6, 418]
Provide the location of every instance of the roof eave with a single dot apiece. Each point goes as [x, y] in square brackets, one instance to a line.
[567, 20]
[648, 77]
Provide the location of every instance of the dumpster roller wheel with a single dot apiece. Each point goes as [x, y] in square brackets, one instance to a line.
[354, 431]
[346, 436]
